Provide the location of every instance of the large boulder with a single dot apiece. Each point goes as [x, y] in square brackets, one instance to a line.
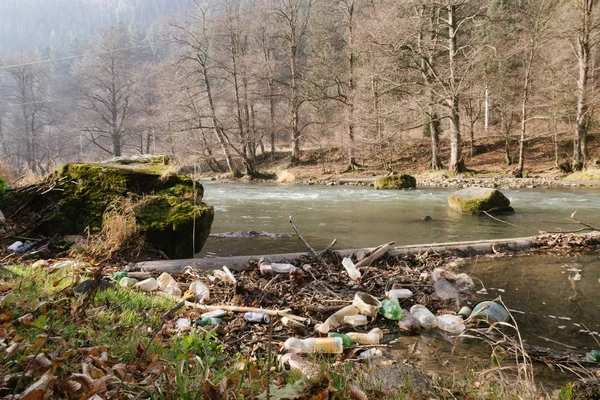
[476, 200]
[396, 182]
[74, 198]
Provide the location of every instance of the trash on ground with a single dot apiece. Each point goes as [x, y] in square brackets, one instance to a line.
[351, 269]
[408, 324]
[328, 345]
[426, 319]
[336, 319]
[489, 311]
[127, 282]
[396, 294]
[257, 317]
[451, 323]
[199, 291]
[391, 309]
[168, 284]
[13, 247]
[356, 320]
[366, 304]
[183, 324]
[148, 285]
[371, 353]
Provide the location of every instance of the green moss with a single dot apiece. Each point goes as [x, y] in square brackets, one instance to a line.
[2, 186]
[586, 175]
[403, 181]
[478, 200]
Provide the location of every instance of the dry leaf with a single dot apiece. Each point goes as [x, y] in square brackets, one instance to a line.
[38, 387]
[357, 394]
[27, 319]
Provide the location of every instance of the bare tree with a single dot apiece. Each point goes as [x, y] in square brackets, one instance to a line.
[105, 79]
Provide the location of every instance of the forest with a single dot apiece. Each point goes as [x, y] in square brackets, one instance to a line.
[223, 84]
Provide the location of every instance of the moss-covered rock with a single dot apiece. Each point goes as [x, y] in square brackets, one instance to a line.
[163, 203]
[403, 181]
[476, 200]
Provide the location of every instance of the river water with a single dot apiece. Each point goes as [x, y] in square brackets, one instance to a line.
[364, 217]
[551, 310]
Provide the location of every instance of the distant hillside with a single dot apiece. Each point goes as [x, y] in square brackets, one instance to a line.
[58, 24]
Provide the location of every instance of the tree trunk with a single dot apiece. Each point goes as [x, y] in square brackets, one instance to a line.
[580, 152]
[351, 89]
[456, 162]
[435, 127]
[524, 108]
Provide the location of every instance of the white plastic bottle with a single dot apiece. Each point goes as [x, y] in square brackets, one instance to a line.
[329, 345]
[396, 294]
[424, 316]
[351, 269]
[373, 337]
[282, 268]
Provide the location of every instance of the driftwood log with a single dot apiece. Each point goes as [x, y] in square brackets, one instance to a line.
[243, 263]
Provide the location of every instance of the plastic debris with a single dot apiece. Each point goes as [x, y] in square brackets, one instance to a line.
[336, 319]
[372, 337]
[424, 316]
[13, 247]
[267, 268]
[409, 324]
[371, 353]
[307, 368]
[347, 342]
[183, 324]
[396, 294]
[356, 320]
[592, 356]
[168, 284]
[366, 304]
[451, 323]
[257, 317]
[208, 321]
[291, 323]
[465, 312]
[225, 275]
[351, 269]
[200, 291]
[490, 311]
[40, 264]
[328, 345]
[214, 314]
[117, 276]
[390, 309]
[127, 282]
[148, 285]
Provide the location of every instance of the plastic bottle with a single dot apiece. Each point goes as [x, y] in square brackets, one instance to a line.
[117, 276]
[200, 291]
[365, 338]
[370, 354]
[291, 323]
[13, 247]
[396, 294]
[127, 282]
[336, 319]
[183, 324]
[390, 309]
[347, 342]
[352, 271]
[148, 285]
[329, 345]
[366, 304]
[356, 320]
[592, 356]
[451, 323]
[258, 317]
[424, 316]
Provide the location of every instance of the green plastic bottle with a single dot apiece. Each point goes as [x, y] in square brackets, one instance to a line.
[346, 341]
[117, 276]
[208, 321]
[390, 309]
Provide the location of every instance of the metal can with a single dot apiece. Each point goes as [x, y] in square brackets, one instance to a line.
[257, 317]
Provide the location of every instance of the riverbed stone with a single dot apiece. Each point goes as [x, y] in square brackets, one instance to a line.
[165, 204]
[403, 181]
[476, 200]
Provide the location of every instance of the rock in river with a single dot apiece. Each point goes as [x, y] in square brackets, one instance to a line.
[396, 182]
[74, 198]
[476, 200]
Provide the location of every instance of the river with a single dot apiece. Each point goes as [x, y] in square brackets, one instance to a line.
[365, 217]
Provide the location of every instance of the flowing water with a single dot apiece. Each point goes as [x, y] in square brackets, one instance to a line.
[363, 217]
[555, 300]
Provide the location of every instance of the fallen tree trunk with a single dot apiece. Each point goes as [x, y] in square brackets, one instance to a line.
[242, 263]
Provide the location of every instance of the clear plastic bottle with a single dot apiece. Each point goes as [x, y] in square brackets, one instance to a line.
[329, 345]
[451, 323]
[345, 338]
[364, 338]
[424, 316]
[282, 268]
[390, 309]
[409, 324]
[356, 320]
[353, 272]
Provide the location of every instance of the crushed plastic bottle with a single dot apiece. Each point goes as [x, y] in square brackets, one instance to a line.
[347, 342]
[371, 353]
[490, 311]
[267, 268]
[168, 284]
[328, 345]
[351, 269]
[291, 323]
[309, 369]
[451, 323]
[200, 291]
[426, 319]
[183, 324]
[390, 309]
